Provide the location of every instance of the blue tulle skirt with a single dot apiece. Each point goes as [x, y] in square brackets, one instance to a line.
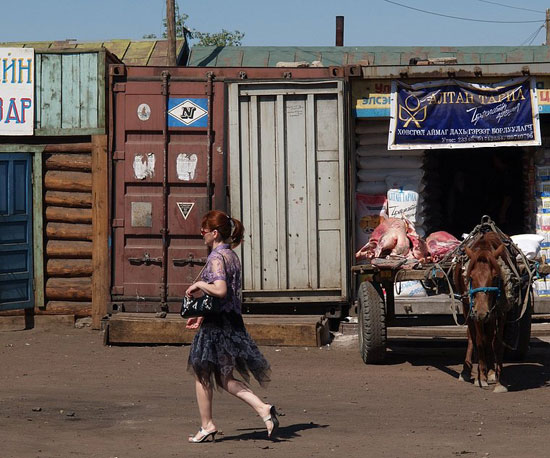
[223, 345]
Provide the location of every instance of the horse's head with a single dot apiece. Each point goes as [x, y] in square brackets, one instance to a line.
[483, 279]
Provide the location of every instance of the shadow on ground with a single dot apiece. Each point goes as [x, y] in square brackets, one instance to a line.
[448, 357]
[284, 433]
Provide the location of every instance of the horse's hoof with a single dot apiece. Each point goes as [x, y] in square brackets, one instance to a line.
[465, 377]
[492, 377]
[481, 383]
[500, 389]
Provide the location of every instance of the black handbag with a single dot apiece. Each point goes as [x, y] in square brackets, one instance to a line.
[200, 306]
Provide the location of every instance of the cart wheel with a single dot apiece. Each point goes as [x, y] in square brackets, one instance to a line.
[372, 323]
[517, 335]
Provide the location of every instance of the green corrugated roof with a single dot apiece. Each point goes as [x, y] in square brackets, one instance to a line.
[142, 52]
[268, 56]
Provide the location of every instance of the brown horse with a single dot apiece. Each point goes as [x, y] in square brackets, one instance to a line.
[481, 288]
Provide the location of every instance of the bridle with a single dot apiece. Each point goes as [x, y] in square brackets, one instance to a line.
[483, 289]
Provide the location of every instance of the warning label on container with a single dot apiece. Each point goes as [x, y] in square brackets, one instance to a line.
[185, 208]
[188, 112]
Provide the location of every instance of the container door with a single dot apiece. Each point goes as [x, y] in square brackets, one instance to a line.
[16, 263]
[288, 182]
[165, 149]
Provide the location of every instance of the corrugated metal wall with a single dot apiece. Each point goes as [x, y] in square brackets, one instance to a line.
[288, 176]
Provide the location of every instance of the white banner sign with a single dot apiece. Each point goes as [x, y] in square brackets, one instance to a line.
[16, 91]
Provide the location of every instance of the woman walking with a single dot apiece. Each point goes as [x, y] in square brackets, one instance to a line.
[222, 344]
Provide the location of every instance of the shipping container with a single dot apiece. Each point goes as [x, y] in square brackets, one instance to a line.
[267, 145]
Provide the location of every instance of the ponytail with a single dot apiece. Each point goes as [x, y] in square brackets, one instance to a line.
[231, 229]
[238, 232]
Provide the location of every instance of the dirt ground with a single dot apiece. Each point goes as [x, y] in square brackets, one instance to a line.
[64, 394]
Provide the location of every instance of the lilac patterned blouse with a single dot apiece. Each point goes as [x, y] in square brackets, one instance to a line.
[223, 264]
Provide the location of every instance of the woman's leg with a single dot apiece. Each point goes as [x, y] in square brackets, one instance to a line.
[204, 400]
[245, 394]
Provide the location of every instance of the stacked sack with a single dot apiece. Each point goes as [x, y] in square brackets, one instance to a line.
[392, 179]
[542, 186]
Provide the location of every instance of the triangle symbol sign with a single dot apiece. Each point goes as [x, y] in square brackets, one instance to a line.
[185, 208]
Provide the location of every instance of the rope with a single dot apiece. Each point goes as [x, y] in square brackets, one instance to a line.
[457, 256]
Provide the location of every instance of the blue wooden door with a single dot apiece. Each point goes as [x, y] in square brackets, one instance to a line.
[16, 263]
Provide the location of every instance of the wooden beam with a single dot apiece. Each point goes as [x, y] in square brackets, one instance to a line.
[68, 148]
[67, 181]
[67, 231]
[69, 268]
[38, 231]
[100, 230]
[69, 215]
[265, 330]
[68, 249]
[78, 309]
[78, 162]
[69, 199]
[67, 289]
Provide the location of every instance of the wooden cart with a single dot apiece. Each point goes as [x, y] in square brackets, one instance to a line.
[373, 284]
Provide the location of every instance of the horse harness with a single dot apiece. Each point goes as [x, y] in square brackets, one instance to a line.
[483, 289]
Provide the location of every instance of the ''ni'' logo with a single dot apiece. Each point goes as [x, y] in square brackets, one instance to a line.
[188, 112]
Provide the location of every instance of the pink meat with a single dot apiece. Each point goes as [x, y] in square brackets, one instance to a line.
[419, 248]
[389, 238]
[440, 243]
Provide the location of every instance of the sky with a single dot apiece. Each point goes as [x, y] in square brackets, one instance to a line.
[285, 22]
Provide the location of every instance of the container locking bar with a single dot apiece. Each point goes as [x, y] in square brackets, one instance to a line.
[189, 261]
[146, 259]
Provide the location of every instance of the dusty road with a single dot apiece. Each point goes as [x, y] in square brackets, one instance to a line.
[64, 394]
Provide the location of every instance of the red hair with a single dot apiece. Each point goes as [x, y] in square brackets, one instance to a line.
[221, 221]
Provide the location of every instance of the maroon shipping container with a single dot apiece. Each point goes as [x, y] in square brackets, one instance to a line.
[170, 165]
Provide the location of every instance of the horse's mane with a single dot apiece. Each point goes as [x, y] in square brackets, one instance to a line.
[486, 249]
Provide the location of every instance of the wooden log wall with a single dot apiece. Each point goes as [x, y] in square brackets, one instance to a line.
[68, 228]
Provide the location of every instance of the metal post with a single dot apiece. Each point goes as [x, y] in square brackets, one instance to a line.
[171, 31]
[209, 138]
[547, 27]
[340, 30]
[164, 230]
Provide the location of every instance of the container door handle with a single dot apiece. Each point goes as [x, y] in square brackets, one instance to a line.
[189, 261]
[146, 259]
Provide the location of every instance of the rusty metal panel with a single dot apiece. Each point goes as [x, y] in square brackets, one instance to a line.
[168, 150]
[288, 187]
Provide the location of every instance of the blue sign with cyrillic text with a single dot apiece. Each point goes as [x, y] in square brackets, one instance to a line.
[455, 114]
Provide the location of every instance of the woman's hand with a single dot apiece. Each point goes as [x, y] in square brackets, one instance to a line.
[194, 323]
[194, 291]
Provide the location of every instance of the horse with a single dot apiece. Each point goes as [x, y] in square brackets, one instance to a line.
[482, 293]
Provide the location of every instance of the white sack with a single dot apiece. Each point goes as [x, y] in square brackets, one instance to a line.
[412, 288]
[370, 210]
[374, 175]
[371, 187]
[528, 243]
[389, 162]
[402, 204]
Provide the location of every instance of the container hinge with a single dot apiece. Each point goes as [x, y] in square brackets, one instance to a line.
[118, 222]
[119, 87]
[189, 261]
[146, 259]
[118, 155]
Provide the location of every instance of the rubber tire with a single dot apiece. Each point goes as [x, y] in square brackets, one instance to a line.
[523, 340]
[372, 323]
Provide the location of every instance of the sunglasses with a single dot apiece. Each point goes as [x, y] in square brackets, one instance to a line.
[206, 231]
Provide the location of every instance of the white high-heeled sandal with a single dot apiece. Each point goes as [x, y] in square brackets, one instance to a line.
[204, 435]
